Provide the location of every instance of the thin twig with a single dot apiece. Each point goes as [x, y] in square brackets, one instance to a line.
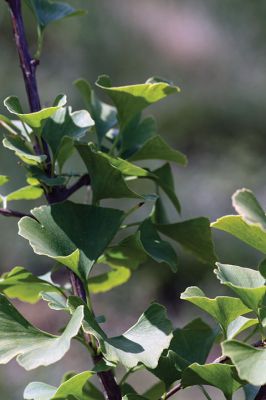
[7, 212]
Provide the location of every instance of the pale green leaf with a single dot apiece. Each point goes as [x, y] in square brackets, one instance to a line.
[137, 345]
[239, 325]
[223, 309]
[23, 285]
[56, 301]
[23, 150]
[104, 282]
[194, 235]
[32, 347]
[130, 100]
[3, 179]
[253, 235]
[249, 208]
[76, 241]
[249, 361]
[247, 283]
[25, 193]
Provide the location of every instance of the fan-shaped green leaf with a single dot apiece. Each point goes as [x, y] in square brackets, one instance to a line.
[47, 11]
[221, 376]
[34, 120]
[23, 150]
[157, 148]
[103, 114]
[76, 241]
[137, 345]
[224, 309]
[247, 283]
[249, 208]
[23, 285]
[130, 100]
[249, 361]
[194, 235]
[239, 325]
[253, 235]
[31, 346]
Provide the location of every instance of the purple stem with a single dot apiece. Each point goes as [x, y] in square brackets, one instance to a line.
[12, 213]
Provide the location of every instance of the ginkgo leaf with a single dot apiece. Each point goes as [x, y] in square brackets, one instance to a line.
[103, 114]
[74, 386]
[137, 344]
[25, 193]
[157, 148]
[224, 309]
[23, 150]
[76, 241]
[47, 11]
[107, 174]
[239, 325]
[221, 376]
[247, 283]
[249, 361]
[190, 344]
[3, 179]
[249, 208]
[251, 234]
[194, 235]
[23, 285]
[35, 119]
[130, 100]
[32, 347]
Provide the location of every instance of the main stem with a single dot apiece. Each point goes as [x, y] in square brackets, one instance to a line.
[28, 66]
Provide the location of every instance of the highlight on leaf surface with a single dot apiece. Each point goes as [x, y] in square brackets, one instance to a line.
[32, 347]
[135, 345]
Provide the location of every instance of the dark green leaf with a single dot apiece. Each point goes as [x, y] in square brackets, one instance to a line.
[76, 241]
[194, 235]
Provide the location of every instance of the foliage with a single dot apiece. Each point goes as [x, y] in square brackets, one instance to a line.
[110, 139]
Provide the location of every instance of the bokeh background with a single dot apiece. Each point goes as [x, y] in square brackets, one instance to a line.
[215, 51]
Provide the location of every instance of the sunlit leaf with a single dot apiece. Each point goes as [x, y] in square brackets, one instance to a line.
[249, 208]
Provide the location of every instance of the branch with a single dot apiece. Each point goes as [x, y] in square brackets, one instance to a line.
[262, 394]
[61, 193]
[12, 213]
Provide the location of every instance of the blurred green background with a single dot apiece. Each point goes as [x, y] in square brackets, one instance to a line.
[215, 51]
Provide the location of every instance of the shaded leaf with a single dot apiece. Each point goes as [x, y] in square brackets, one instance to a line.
[23, 150]
[31, 346]
[158, 249]
[194, 235]
[156, 148]
[155, 392]
[239, 325]
[249, 208]
[76, 241]
[47, 11]
[136, 133]
[56, 301]
[103, 114]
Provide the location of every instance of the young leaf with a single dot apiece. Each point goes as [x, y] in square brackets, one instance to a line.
[251, 234]
[106, 174]
[130, 100]
[23, 285]
[34, 120]
[103, 114]
[73, 387]
[3, 179]
[194, 235]
[223, 309]
[249, 361]
[189, 344]
[117, 276]
[76, 241]
[137, 344]
[157, 149]
[221, 376]
[247, 283]
[158, 249]
[31, 346]
[47, 11]
[249, 208]
[25, 193]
